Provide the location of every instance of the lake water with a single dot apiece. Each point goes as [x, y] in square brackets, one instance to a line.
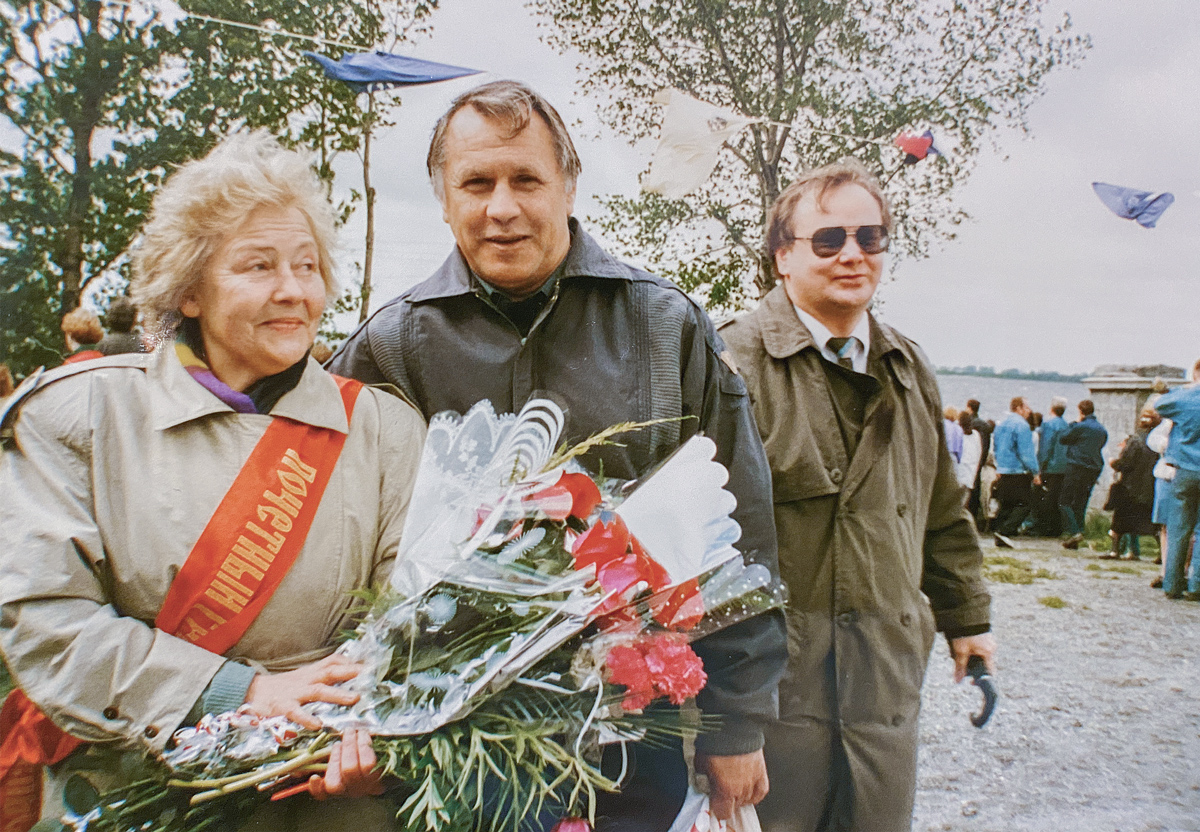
[994, 394]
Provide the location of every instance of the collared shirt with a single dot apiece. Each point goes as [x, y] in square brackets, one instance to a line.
[856, 351]
[521, 313]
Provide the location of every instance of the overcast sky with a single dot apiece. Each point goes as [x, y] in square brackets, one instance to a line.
[1044, 277]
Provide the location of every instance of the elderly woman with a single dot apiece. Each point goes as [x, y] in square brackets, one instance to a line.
[180, 531]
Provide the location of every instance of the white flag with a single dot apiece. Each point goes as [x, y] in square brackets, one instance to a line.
[692, 134]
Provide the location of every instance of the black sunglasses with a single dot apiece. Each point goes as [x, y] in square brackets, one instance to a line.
[826, 242]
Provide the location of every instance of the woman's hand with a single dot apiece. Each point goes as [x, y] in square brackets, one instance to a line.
[283, 694]
[351, 769]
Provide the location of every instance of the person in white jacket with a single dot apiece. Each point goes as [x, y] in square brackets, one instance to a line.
[972, 451]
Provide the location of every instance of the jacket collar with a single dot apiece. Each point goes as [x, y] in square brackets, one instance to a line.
[784, 334]
[176, 398]
[585, 258]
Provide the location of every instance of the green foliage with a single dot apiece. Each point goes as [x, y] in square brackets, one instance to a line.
[109, 99]
[837, 78]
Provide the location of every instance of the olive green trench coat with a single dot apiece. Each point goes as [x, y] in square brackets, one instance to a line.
[877, 551]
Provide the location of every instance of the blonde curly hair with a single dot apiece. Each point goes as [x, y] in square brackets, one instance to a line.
[208, 199]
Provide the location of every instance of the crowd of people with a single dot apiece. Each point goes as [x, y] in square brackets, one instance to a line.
[1046, 469]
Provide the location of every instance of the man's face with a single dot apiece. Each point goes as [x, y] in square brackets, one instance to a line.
[840, 286]
[506, 200]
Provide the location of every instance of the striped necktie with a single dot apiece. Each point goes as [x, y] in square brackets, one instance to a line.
[842, 347]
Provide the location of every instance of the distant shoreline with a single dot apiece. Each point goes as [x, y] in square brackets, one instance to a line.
[1020, 375]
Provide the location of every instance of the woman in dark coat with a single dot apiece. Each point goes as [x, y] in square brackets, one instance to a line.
[1132, 495]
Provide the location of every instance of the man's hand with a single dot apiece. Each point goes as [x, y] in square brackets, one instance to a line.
[983, 645]
[1037, 479]
[733, 781]
[351, 769]
[282, 694]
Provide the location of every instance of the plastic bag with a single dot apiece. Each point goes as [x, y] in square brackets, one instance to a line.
[696, 817]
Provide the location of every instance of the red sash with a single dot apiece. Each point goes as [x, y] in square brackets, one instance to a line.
[250, 542]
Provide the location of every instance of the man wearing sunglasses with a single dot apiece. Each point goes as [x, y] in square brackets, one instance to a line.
[874, 542]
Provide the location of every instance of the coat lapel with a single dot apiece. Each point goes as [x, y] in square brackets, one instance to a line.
[785, 335]
[888, 362]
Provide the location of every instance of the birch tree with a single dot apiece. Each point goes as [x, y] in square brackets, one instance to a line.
[830, 78]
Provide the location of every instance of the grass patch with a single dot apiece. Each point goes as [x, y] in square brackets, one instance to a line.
[1053, 602]
[1120, 567]
[1006, 569]
[1004, 560]
[1096, 528]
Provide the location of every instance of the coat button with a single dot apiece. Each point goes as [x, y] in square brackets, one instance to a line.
[847, 618]
[110, 712]
[835, 475]
[905, 618]
[897, 720]
[901, 509]
[151, 732]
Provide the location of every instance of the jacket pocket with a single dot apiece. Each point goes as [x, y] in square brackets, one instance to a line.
[806, 481]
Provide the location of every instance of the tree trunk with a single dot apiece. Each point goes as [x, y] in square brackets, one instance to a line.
[365, 298]
[83, 125]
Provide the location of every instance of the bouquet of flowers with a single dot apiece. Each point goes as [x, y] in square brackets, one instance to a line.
[535, 613]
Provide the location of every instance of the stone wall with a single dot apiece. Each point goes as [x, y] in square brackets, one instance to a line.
[1119, 394]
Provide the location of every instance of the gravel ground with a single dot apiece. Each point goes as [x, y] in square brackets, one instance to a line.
[1098, 722]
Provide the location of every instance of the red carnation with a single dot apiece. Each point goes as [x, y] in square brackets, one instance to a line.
[661, 665]
[627, 666]
[678, 672]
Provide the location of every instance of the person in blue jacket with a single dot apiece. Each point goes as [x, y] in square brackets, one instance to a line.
[1084, 441]
[1181, 495]
[1052, 465]
[1016, 471]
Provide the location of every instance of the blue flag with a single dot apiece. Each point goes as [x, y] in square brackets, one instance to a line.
[364, 70]
[1130, 204]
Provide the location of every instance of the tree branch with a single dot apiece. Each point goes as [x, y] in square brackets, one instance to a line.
[962, 68]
